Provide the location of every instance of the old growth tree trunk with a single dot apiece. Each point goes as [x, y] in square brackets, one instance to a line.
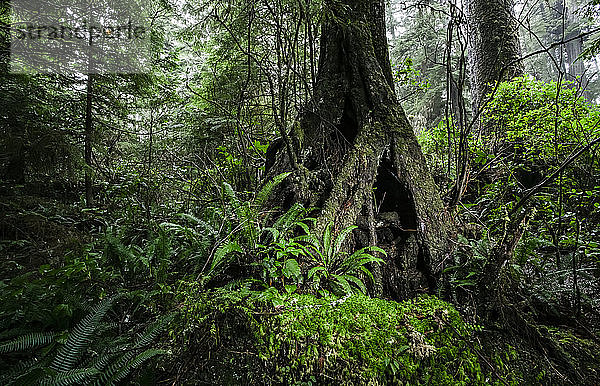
[357, 158]
[494, 48]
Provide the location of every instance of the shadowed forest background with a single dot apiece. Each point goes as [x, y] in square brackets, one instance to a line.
[310, 192]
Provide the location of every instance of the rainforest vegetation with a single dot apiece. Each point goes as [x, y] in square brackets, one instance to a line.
[356, 192]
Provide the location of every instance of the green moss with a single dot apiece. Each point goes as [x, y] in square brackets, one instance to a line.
[357, 340]
[366, 340]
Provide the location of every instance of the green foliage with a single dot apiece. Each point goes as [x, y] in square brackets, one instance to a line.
[408, 76]
[279, 255]
[320, 262]
[545, 121]
[79, 338]
[37, 140]
[151, 261]
[414, 53]
[532, 129]
[438, 144]
[247, 213]
[193, 238]
[67, 358]
[203, 247]
[28, 341]
[335, 269]
[537, 127]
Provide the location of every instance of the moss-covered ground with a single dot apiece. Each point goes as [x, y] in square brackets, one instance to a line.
[241, 338]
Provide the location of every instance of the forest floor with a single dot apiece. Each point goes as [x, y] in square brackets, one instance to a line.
[255, 340]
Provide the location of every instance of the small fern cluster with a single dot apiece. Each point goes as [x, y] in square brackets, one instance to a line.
[324, 263]
[206, 245]
[334, 268]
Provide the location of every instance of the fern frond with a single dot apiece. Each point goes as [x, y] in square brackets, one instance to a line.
[343, 283]
[108, 374]
[242, 211]
[339, 241]
[312, 247]
[9, 333]
[27, 342]
[80, 337]
[275, 233]
[356, 281]
[290, 219]
[132, 363]
[266, 191]
[327, 245]
[32, 376]
[152, 331]
[189, 233]
[104, 360]
[231, 196]
[18, 371]
[199, 222]
[190, 218]
[116, 252]
[223, 252]
[76, 376]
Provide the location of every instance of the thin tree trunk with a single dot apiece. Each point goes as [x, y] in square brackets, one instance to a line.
[4, 37]
[149, 192]
[88, 134]
[14, 168]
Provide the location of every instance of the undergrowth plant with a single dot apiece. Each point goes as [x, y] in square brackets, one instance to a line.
[205, 245]
[280, 252]
[323, 264]
[333, 267]
[77, 356]
[536, 174]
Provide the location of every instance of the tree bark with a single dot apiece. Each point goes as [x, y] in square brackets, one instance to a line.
[494, 48]
[354, 137]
